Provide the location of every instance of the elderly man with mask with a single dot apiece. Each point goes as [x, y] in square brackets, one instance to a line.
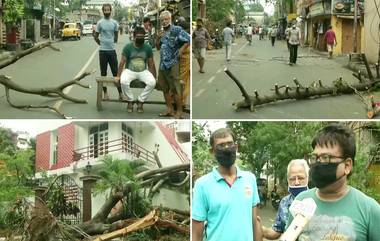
[298, 177]
[172, 42]
[343, 212]
[226, 198]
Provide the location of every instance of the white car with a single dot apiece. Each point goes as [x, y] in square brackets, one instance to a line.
[87, 29]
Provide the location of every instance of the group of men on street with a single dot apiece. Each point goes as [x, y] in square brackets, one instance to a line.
[137, 60]
[224, 206]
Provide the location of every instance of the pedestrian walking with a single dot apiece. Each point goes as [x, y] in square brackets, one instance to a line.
[261, 33]
[249, 34]
[294, 41]
[200, 38]
[228, 36]
[172, 42]
[107, 29]
[287, 31]
[273, 34]
[330, 41]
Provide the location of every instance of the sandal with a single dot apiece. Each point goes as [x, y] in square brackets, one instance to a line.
[130, 107]
[140, 108]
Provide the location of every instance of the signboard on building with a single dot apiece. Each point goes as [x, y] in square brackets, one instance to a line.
[346, 6]
[316, 9]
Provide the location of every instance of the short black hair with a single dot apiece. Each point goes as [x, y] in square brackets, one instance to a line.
[139, 29]
[106, 5]
[199, 20]
[337, 134]
[146, 19]
[229, 23]
[220, 133]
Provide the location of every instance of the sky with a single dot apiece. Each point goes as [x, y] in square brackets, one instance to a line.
[268, 8]
[33, 127]
[211, 125]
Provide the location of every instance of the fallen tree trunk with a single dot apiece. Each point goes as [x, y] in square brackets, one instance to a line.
[47, 92]
[298, 92]
[142, 223]
[23, 53]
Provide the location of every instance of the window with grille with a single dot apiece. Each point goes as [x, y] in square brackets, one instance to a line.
[98, 140]
[127, 138]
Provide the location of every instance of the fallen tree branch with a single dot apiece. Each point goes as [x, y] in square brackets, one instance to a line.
[47, 92]
[297, 92]
[142, 223]
[162, 223]
[23, 53]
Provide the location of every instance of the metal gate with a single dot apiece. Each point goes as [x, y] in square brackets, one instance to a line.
[72, 197]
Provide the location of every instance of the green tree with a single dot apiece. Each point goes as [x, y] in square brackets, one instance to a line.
[14, 11]
[6, 142]
[202, 159]
[256, 7]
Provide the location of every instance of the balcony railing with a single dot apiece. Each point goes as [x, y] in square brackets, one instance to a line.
[122, 145]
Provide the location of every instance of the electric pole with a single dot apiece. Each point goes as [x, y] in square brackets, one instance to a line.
[355, 26]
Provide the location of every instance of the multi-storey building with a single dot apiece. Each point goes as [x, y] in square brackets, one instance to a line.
[75, 148]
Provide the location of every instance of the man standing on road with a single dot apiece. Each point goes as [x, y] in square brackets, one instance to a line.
[261, 33]
[249, 34]
[273, 34]
[225, 198]
[298, 178]
[149, 31]
[343, 212]
[228, 35]
[172, 43]
[330, 40]
[294, 41]
[135, 59]
[107, 28]
[200, 38]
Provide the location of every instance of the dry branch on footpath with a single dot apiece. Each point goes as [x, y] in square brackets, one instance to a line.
[299, 92]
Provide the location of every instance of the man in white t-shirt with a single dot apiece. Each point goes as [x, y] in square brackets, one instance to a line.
[249, 34]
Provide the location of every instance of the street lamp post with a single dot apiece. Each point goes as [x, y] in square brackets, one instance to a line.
[53, 19]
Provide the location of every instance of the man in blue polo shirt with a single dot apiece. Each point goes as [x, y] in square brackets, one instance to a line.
[224, 201]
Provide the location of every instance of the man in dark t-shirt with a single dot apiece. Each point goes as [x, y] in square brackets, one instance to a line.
[137, 63]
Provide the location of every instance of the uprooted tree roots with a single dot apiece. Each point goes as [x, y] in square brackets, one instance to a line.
[298, 92]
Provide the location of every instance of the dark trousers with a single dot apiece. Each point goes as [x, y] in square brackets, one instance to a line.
[293, 53]
[273, 39]
[108, 57]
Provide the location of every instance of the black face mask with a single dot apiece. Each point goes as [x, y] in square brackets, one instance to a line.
[107, 15]
[139, 41]
[225, 156]
[324, 174]
[167, 27]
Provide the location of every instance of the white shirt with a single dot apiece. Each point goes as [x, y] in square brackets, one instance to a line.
[249, 30]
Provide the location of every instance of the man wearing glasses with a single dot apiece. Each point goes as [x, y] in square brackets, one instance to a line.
[298, 178]
[343, 212]
[224, 201]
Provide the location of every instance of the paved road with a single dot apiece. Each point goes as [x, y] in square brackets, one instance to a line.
[268, 215]
[48, 68]
[260, 67]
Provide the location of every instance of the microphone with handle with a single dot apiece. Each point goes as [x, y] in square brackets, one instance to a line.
[302, 212]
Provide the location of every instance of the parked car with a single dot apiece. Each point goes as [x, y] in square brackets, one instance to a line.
[71, 30]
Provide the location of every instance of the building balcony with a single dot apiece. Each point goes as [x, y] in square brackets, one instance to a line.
[120, 149]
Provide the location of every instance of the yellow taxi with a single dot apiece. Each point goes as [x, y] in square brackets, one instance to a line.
[71, 30]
